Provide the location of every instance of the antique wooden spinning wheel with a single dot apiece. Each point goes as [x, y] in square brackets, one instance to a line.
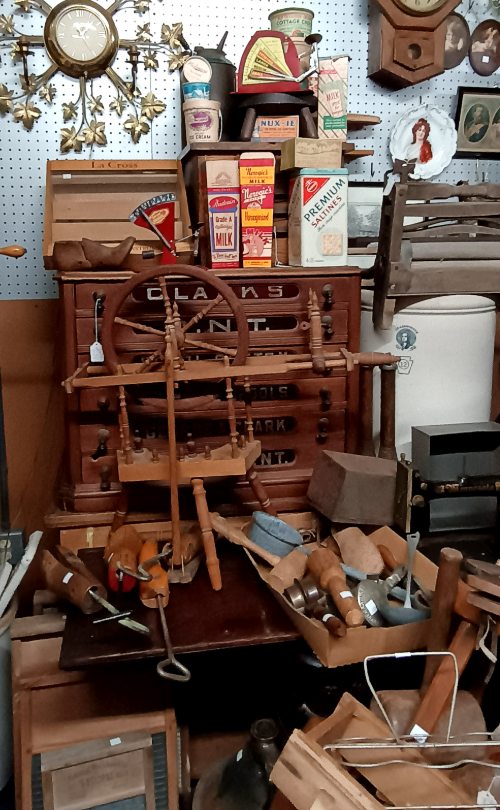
[162, 280]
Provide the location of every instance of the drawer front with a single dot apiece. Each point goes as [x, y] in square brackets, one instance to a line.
[276, 330]
[325, 392]
[289, 438]
[253, 292]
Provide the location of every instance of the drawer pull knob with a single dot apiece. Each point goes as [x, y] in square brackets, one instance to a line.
[102, 444]
[103, 403]
[327, 293]
[322, 434]
[138, 443]
[99, 299]
[327, 324]
[325, 399]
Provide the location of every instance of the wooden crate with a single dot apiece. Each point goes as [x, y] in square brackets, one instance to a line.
[93, 199]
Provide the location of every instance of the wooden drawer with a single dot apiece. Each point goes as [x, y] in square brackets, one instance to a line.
[251, 290]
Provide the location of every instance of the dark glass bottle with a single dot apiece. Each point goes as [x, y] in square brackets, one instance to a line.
[244, 778]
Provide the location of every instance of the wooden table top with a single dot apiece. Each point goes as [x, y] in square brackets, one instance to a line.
[244, 613]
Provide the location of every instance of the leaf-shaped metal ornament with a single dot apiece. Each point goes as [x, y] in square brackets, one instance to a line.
[7, 25]
[96, 106]
[118, 105]
[141, 6]
[136, 127]
[29, 86]
[47, 93]
[15, 51]
[27, 114]
[95, 134]
[151, 60]
[23, 6]
[5, 99]
[143, 33]
[70, 110]
[152, 106]
[71, 140]
[172, 36]
[177, 61]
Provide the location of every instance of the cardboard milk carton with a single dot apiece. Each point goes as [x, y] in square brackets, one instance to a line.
[317, 219]
[257, 203]
[223, 196]
[332, 96]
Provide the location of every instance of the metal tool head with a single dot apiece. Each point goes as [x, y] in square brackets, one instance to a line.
[368, 593]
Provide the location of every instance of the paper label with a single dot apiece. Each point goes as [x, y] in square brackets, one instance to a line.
[96, 353]
[345, 594]
[67, 577]
[371, 607]
[115, 741]
[402, 655]
[419, 734]
[486, 799]
[239, 755]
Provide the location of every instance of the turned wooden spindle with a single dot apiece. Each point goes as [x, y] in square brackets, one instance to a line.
[207, 534]
[326, 570]
[124, 426]
[387, 447]
[202, 313]
[260, 493]
[365, 414]
[231, 414]
[315, 334]
[172, 452]
[247, 397]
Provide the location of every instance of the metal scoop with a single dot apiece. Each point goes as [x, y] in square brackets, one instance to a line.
[370, 593]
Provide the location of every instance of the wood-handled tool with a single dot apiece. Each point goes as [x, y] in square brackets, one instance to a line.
[237, 536]
[121, 555]
[14, 251]
[157, 585]
[325, 568]
[68, 576]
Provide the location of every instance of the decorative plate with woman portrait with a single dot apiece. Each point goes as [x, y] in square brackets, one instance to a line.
[456, 42]
[484, 51]
[426, 137]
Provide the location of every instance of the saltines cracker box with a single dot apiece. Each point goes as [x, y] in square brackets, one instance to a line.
[332, 96]
[317, 219]
[257, 201]
[223, 196]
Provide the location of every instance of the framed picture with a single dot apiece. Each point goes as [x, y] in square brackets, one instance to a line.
[478, 122]
[457, 40]
[484, 51]
[364, 204]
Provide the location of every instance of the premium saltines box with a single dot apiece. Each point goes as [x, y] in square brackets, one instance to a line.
[317, 219]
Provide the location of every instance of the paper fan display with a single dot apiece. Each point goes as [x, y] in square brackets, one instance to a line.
[426, 136]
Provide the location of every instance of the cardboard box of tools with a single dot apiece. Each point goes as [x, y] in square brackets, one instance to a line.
[359, 641]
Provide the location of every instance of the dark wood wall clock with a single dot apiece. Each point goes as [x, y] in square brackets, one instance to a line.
[406, 40]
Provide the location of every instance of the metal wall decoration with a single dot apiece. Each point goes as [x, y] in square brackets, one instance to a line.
[81, 40]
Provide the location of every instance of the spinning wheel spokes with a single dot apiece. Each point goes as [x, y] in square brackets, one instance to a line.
[179, 318]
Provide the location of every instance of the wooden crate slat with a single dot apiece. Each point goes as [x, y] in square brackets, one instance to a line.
[104, 231]
[83, 206]
[153, 179]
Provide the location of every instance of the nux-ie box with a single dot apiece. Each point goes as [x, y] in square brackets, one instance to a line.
[317, 219]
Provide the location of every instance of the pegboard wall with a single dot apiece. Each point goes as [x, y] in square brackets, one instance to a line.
[344, 26]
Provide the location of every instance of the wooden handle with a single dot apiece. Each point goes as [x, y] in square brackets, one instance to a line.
[71, 585]
[388, 557]
[365, 412]
[443, 603]
[123, 548]
[326, 570]
[158, 585]
[235, 535]
[387, 447]
[438, 695]
[14, 251]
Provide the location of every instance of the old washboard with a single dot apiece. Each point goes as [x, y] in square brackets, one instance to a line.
[436, 239]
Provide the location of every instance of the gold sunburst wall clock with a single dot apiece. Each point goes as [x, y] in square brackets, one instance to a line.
[81, 40]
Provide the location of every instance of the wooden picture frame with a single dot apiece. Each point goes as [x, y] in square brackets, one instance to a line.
[477, 120]
[364, 206]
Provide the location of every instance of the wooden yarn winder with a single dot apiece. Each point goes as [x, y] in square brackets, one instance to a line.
[170, 366]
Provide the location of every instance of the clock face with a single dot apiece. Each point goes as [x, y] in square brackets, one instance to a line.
[420, 6]
[81, 38]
